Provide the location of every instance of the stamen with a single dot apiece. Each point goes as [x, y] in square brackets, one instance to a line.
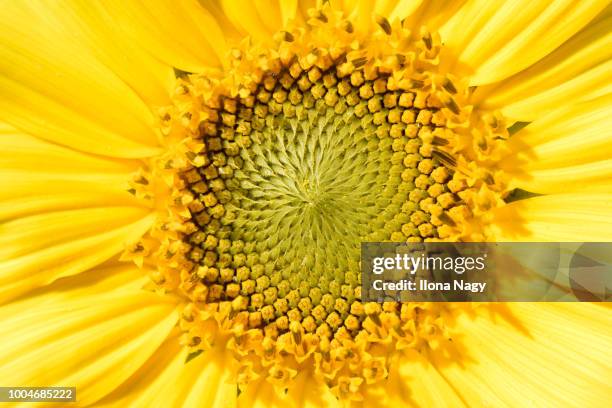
[384, 24]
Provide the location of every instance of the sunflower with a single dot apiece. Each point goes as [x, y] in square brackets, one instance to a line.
[186, 185]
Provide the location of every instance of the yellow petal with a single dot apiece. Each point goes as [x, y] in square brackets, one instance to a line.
[261, 394]
[541, 354]
[432, 13]
[182, 33]
[25, 152]
[394, 9]
[73, 208]
[481, 16]
[304, 391]
[29, 234]
[558, 217]
[363, 15]
[588, 177]
[427, 386]
[574, 134]
[578, 70]
[26, 193]
[270, 13]
[94, 342]
[53, 87]
[168, 380]
[148, 76]
[39, 176]
[288, 10]
[413, 381]
[244, 15]
[502, 39]
[47, 260]
[566, 150]
[113, 276]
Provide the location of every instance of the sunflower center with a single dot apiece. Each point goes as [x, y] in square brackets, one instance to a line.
[283, 165]
[295, 175]
[311, 182]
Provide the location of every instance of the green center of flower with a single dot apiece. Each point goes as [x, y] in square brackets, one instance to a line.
[296, 177]
[312, 186]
